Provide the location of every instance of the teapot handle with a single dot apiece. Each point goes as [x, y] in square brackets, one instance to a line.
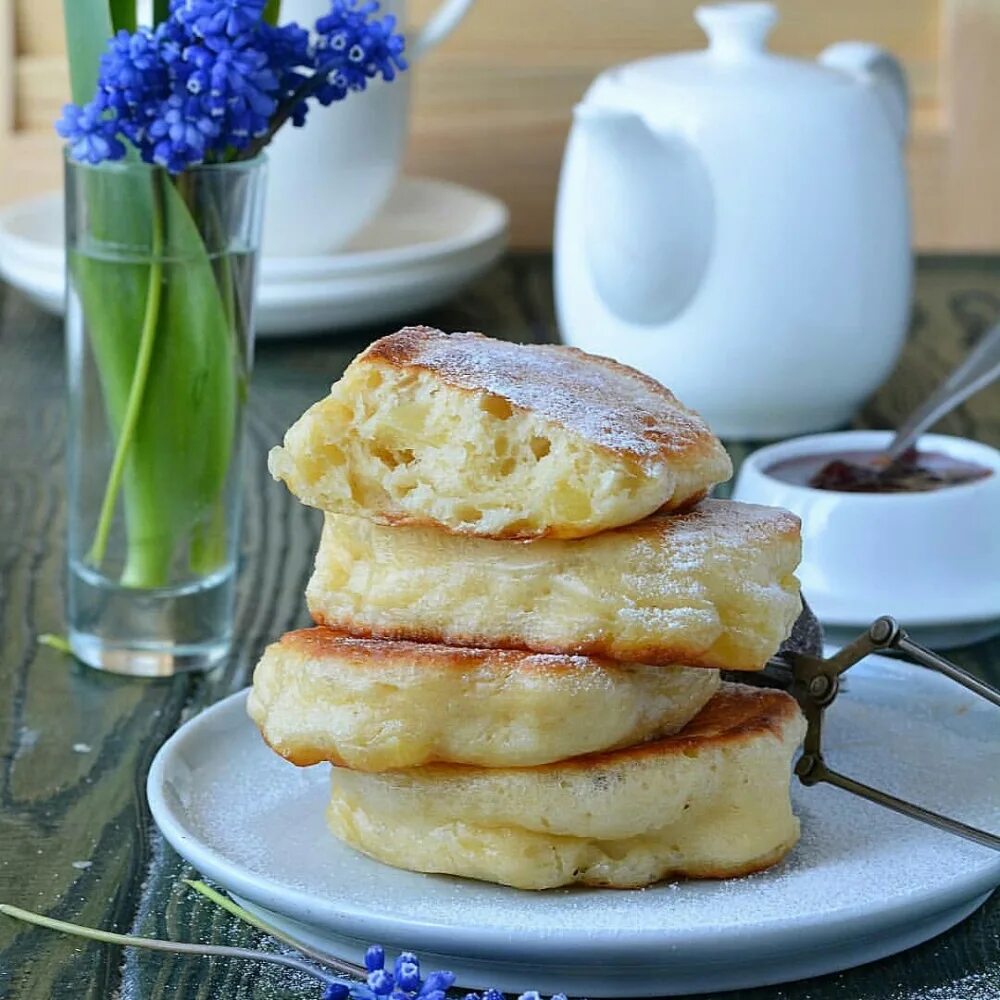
[442, 23]
[869, 62]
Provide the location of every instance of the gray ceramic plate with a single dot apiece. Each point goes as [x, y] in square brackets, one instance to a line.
[863, 883]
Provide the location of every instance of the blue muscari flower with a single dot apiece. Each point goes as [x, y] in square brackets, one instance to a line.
[180, 133]
[232, 76]
[406, 972]
[91, 132]
[133, 70]
[336, 991]
[381, 982]
[436, 982]
[375, 958]
[214, 77]
[351, 49]
[232, 19]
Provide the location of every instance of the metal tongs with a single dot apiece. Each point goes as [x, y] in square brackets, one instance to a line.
[814, 682]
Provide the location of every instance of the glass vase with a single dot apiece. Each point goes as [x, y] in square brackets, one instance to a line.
[159, 338]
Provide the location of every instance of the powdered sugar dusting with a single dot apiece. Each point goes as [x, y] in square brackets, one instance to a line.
[614, 406]
[713, 523]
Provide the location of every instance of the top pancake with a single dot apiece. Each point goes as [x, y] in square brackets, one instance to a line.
[500, 440]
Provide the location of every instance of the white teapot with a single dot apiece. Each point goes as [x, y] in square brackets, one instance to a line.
[736, 224]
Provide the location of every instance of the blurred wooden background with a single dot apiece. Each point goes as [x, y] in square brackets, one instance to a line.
[492, 105]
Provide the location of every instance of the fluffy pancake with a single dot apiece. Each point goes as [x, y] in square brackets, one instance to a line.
[710, 802]
[496, 439]
[373, 704]
[713, 587]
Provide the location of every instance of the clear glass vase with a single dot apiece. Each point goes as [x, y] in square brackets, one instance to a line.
[159, 338]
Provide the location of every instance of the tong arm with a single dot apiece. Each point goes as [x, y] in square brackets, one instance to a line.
[815, 682]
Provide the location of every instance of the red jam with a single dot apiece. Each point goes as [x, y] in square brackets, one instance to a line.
[871, 472]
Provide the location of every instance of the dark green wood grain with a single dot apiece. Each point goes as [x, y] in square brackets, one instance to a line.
[59, 805]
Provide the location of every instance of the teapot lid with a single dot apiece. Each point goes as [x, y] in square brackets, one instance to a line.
[736, 56]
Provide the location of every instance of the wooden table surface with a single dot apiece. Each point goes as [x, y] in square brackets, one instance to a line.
[76, 840]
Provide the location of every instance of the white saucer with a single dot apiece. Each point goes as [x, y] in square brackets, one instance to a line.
[431, 238]
[863, 883]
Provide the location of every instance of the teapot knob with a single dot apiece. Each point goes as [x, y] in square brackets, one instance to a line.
[736, 29]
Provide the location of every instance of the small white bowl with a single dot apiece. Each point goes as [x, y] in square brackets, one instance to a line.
[929, 559]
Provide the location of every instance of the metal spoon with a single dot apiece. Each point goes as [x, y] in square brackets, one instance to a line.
[980, 367]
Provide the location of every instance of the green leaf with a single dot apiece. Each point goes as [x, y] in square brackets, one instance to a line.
[123, 15]
[161, 10]
[88, 28]
[272, 11]
[179, 454]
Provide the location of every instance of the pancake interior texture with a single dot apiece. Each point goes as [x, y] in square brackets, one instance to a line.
[370, 704]
[710, 802]
[501, 440]
[711, 587]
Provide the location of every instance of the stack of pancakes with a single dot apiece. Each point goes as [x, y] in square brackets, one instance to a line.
[523, 601]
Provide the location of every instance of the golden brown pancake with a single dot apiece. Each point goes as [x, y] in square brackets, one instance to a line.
[495, 439]
[713, 587]
[710, 802]
[372, 704]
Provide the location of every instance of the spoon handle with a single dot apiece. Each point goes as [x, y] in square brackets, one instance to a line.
[978, 370]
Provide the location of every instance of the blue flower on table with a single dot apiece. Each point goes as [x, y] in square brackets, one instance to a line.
[91, 131]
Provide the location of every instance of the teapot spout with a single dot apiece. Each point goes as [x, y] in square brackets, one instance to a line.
[648, 214]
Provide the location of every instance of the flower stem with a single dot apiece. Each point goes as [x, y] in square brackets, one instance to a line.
[337, 964]
[154, 944]
[140, 376]
[59, 642]
[282, 114]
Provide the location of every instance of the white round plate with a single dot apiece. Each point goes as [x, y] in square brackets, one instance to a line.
[863, 882]
[429, 240]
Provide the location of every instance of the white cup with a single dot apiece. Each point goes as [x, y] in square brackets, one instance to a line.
[328, 179]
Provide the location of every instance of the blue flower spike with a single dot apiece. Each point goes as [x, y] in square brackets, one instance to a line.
[406, 971]
[214, 81]
[404, 983]
[435, 986]
[375, 958]
[90, 132]
[381, 982]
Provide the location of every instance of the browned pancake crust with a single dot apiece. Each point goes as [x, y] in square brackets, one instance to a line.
[581, 391]
[321, 640]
